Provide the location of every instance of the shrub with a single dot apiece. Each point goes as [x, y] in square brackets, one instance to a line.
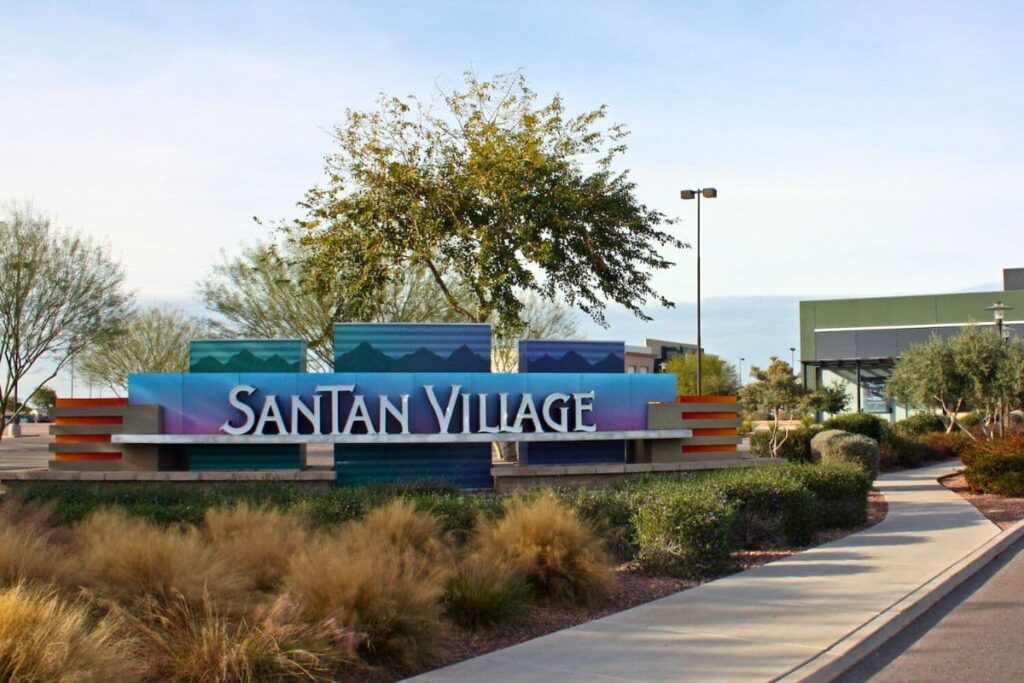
[943, 446]
[183, 643]
[903, 451]
[130, 558]
[996, 466]
[971, 419]
[841, 492]
[382, 577]
[683, 533]
[796, 447]
[854, 448]
[859, 423]
[258, 541]
[771, 508]
[610, 511]
[25, 548]
[481, 593]
[45, 638]
[818, 443]
[560, 556]
[919, 425]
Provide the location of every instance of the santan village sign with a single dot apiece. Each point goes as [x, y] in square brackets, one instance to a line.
[306, 417]
[407, 402]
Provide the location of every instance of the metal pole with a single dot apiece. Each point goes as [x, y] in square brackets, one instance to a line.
[858, 386]
[700, 349]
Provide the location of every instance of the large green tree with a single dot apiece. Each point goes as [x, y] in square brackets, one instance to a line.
[492, 189]
[59, 291]
[151, 340]
[718, 377]
[775, 390]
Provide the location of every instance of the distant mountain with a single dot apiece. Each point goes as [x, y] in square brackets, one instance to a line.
[421, 360]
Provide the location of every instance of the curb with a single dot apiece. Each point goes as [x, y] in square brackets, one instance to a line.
[846, 653]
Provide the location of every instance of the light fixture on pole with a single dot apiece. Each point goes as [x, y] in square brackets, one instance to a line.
[792, 359]
[741, 370]
[707, 193]
[999, 310]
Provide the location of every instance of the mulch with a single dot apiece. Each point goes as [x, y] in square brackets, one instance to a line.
[1003, 511]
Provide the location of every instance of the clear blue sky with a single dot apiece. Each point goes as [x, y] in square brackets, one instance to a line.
[860, 148]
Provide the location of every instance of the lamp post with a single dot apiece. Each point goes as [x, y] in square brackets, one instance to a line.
[999, 310]
[707, 193]
[792, 358]
[741, 371]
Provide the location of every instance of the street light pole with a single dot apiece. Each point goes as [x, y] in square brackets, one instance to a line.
[792, 359]
[741, 371]
[709, 193]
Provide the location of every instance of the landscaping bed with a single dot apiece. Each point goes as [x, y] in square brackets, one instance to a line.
[377, 583]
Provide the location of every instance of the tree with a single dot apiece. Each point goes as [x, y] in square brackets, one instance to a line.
[264, 293]
[993, 369]
[152, 340]
[778, 391]
[542, 319]
[718, 377]
[974, 368]
[832, 398]
[491, 189]
[45, 398]
[59, 291]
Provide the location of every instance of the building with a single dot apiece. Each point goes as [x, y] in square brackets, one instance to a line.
[857, 341]
[650, 357]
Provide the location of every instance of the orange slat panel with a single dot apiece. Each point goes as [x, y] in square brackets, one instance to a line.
[709, 416]
[82, 438]
[78, 457]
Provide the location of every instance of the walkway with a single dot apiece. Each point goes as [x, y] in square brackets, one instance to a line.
[763, 623]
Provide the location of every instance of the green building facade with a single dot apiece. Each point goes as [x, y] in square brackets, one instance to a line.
[857, 341]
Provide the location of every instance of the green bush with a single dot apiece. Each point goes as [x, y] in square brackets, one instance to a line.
[855, 448]
[771, 508]
[610, 510]
[840, 491]
[971, 419]
[683, 533]
[819, 441]
[919, 425]
[796, 447]
[859, 423]
[996, 466]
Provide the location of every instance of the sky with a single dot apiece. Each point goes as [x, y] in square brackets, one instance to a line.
[859, 148]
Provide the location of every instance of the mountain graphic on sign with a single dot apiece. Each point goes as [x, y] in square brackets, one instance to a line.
[571, 361]
[244, 361]
[366, 358]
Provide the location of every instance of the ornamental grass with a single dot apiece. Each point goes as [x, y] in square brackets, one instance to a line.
[45, 638]
[558, 554]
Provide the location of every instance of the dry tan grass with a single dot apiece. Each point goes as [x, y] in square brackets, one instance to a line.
[44, 638]
[128, 558]
[183, 643]
[558, 553]
[383, 577]
[26, 547]
[259, 541]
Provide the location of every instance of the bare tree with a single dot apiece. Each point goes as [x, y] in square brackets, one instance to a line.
[59, 291]
[542, 319]
[263, 293]
[153, 340]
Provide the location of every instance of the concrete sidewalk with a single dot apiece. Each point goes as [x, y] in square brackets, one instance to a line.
[764, 623]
